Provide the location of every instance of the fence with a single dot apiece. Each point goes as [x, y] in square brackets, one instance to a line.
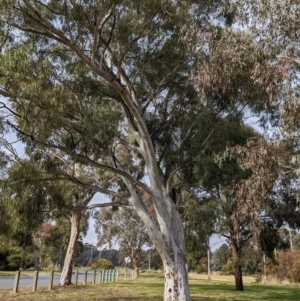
[101, 276]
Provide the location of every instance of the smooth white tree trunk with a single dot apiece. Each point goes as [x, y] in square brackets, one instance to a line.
[176, 286]
[169, 242]
[66, 275]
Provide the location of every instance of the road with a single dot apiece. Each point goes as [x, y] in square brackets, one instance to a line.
[8, 282]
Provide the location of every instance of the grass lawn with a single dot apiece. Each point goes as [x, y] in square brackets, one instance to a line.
[23, 273]
[7, 274]
[149, 287]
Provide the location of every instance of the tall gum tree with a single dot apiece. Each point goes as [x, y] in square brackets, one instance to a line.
[134, 50]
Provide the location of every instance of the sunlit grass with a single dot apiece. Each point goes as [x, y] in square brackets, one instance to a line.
[7, 274]
[149, 287]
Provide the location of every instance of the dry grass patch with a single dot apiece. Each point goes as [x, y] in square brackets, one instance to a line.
[220, 278]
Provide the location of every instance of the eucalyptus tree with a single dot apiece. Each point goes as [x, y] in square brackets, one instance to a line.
[80, 201]
[199, 219]
[243, 66]
[221, 256]
[70, 64]
[33, 195]
[123, 227]
[273, 28]
[233, 172]
[57, 237]
[214, 186]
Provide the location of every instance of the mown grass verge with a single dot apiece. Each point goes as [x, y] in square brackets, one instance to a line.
[149, 287]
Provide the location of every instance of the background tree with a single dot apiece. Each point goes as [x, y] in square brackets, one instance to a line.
[220, 257]
[123, 227]
[199, 224]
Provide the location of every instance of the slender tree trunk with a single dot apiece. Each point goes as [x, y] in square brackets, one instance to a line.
[236, 254]
[66, 275]
[137, 271]
[135, 265]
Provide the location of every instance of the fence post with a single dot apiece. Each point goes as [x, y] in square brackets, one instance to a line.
[100, 276]
[125, 273]
[85, 277]
[16, 283]
[94, 277]
[76, 277]
[117, 275]
[35, 280]
[50, 284]
[106, 274]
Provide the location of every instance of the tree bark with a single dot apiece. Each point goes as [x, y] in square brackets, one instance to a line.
[135, 264]
[66, 275]
[176, 286]
[236, 254]
[171, 247]
[137, 271]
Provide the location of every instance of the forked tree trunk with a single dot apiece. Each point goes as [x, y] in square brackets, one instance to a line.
[66, 275]
[238, 276]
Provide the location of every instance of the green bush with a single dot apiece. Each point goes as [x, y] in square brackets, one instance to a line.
[227, 269]
[104, 264]
[14, 262]
[201, 268]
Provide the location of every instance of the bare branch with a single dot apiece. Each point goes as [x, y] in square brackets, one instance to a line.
[88, 199]
[172, 174]
[108, 204]
[101, 20]
[289, 58]
[43, 33]
[92, 187]
[130, 146]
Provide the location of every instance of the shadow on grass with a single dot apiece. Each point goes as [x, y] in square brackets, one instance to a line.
[217, 291]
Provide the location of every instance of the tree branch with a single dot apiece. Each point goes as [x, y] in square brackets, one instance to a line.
[84, 159]
[107, 205]
[172, 174]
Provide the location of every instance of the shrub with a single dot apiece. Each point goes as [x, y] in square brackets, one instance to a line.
[104, 264]
[227, 269]
[14, 262]
[295, 270]
[285, 263]
[201, 268]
